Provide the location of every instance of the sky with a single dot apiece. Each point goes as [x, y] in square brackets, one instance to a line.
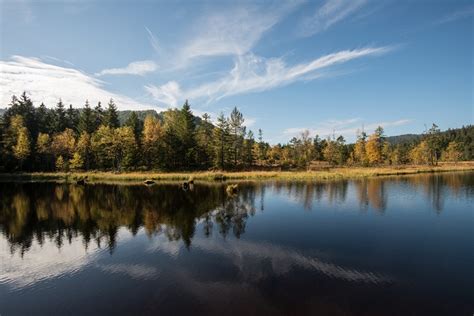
[328, 66]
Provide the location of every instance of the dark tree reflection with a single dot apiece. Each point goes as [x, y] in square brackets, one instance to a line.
[61, 212]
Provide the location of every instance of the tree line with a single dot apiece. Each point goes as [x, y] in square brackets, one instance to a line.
[93, 138]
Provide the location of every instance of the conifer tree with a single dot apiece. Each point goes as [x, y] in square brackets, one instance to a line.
[86, 121]
[59, 117]
[72, 118]
[98, 115]
[111, 116]
[237, 132]
[221, 142]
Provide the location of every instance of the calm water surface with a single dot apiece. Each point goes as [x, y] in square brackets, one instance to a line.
[392, 246]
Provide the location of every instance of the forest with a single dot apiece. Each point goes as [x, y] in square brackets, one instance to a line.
[66, 138]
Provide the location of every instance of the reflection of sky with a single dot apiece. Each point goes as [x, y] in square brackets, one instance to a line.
[250, 256]
[46, 261]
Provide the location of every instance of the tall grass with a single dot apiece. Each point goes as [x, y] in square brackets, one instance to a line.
[335, 173]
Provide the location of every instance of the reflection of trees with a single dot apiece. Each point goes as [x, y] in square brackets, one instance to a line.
[61, 212]
[371, 192]
[308, 192]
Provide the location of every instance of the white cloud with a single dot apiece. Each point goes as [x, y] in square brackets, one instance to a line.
[138, 68]
[347, 128]
[48, 83]
[153, 40]
[227, 32]
[230, 33]
[166, 94]
[330, 13]
[252, 73]
[43, 261]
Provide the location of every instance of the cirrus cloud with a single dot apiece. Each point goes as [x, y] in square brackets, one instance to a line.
[48, 83]
[138, 68]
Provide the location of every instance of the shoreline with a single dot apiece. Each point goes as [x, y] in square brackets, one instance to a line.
[332, 174]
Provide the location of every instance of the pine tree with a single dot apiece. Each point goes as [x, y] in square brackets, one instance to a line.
[137, 126]
[249, 143]
[204, 140]
[237, 131]
[221, 142]
[433, 140]
[42, 118]
[111, 116]
[72, 118]
[87, 122]
[98, 116]
[187, 136]
[59, 117]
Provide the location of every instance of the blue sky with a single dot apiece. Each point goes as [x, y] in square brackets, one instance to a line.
[332, 65]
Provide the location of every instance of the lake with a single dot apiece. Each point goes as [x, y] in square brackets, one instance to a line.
[380, 246]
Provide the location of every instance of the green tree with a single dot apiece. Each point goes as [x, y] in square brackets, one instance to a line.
[187, 136]
[249, 143]
[221, 142]
[137, 126]
[111, 116]
[98, 117]
[72, 118]
[204, 142]
[43, 150]
[433, 140]
[87, 121]
[59, 117]
[237, 131]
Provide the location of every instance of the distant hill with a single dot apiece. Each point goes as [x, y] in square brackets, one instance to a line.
[124, 115]
[404, 139]
[2, 111]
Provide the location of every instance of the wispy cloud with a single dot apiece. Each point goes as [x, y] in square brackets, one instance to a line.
[457, 15]
[166, 94]
[252, 73]
[138, 68]
[347, 128]
[330, 13]
[153, 40]
[232, 31]
[48, 83]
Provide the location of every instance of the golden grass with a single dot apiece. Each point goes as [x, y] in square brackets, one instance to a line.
[335, 173]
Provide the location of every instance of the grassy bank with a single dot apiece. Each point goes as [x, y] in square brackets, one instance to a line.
[335, 173]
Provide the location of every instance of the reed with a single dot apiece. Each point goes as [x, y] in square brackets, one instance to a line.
[334, 173]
